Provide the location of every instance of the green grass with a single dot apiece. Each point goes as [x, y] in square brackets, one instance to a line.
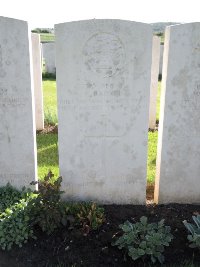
[47, 150]
[50, 102]
[151, 162]
[158, 101]
[47, 37]
[47, 143]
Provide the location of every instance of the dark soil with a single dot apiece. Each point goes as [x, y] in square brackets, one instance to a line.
[49, 129]
[71, 248]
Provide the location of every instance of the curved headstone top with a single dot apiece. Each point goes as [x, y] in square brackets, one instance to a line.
[97, 21]
[103, 78]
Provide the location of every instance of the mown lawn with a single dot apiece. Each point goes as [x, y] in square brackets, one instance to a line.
[48, 143]
[158, 101]
[47, 146]
[152, 150]
[47, 37]
[50, 101]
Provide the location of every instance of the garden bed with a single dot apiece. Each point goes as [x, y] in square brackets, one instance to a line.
[71, 248]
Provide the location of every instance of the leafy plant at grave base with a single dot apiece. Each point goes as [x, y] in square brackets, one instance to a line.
[15, 226]
[89, 215]
[194, 229]
[47, 209]
[49, 212]
[8, 196]
[143, 239]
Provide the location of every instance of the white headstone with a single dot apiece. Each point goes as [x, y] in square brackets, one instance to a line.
[161, 58]
[103, 81]
[154, 81]
[17, 132]
[37, 78]
[178, 159]
[49, 57]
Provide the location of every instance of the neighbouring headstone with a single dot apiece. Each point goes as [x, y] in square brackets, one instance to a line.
[161, 58]
[17, 132]
[49, 57]
[178, 159]
[37, 79]
[154, 81]
[41, 53]
[103, 80]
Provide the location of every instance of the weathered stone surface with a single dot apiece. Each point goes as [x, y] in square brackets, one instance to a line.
[37, 79]
[17, 132]
[154, 81]
[49, 57]
[178, 159]
[103, 81]
[161, 58]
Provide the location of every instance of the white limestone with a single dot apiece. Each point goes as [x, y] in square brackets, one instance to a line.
[154, 81]
[103, 81]
[49, 57]
[37, 78]
[17, 133]
[178, 159]
[161, 58]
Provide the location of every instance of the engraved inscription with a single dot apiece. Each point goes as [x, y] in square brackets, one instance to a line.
[9, 176]
[13, 101]
[102, 107]
[2, 71]
[104, 54]
[102, 99]
[3, 91]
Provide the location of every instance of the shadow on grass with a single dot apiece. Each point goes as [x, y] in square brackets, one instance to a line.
[47, 146]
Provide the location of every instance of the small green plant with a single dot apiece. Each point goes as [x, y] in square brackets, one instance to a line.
[15, 226]
[194, 229]
[20, 211]
[47, 209]
[90, 215]
[143, 239]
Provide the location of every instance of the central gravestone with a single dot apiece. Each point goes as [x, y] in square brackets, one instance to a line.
[103, 79]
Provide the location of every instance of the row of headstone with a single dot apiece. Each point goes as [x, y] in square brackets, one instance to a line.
[50, 64]
[48, 50]
[103, 81]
